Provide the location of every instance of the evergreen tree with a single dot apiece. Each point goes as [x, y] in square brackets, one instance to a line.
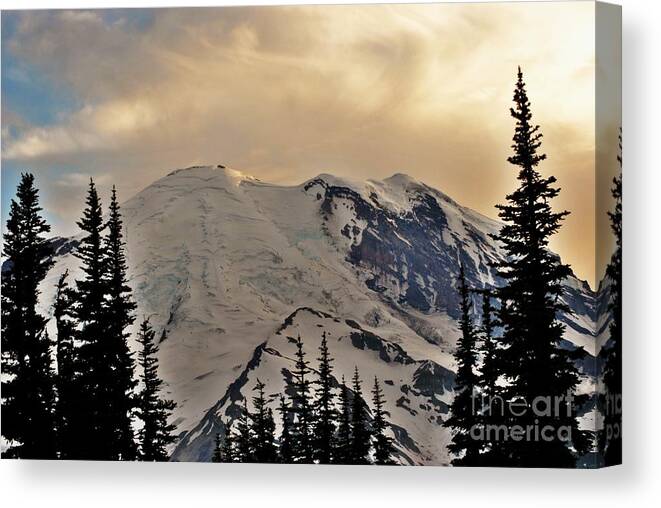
[28, 420]
[270, 426]
[465, 448]
[491, 405]
[302, 408]
[153, 410]
[217, 449]
[263, 427]
[326, 413]
[489, 371]
[228, 449]
[382, 443]
[286, 445]
[613, 361]
[531, 359]
[360, 436]
[96, 439]
[244, 439]
[120, 403]
[67, 410]
[343, 453]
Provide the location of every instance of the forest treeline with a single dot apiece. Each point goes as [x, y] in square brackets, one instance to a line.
[516, 398]
[84, 395]
[320, 423]
[81, 394]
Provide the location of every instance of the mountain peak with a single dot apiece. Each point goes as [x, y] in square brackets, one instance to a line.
[218, 169]
[221, 264]
[331, 179]
[401, 179]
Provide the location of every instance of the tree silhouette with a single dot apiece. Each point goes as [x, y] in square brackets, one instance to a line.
[360, 436]
[326, 412]
[217, 449]
[228, 448]
[302, 408]
[382, 442]
[612, 371]
[286, 446]
[531, 359]
[119, 403]
[244, 451]
[153, 410]
[96, 437]
[489, 371]
[263, 427]
[491, 402]
[28, 420]
[67, 410]
[463, 415]
[344, 432]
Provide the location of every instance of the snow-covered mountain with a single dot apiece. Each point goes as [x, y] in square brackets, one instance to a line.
[231, 269]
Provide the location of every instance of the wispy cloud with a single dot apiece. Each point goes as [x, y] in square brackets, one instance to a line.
[288, 92]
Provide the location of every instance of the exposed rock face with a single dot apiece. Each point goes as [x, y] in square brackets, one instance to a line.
[231, 269]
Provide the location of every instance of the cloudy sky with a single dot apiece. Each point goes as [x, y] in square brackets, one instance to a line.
[285, 93]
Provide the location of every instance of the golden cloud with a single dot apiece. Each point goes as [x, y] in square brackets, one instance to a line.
[285, 93]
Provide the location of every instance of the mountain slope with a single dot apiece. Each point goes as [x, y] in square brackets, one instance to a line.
[221, 262]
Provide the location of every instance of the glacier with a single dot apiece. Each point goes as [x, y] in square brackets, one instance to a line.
[230, 269]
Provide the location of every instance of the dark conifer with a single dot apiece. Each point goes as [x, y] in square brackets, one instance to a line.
[67, 410]
[463, 416]
[325, 405]
[382, 442]
[28, 393]
[286, 446]
[360, 436]
[156, 433]
[263, 427]
[119, 315]
[244, 451]
[531, 359]
[489, 371]
[228, 448]
[343, 441]
[217, 449]
[97, 438]
[302, 429]
[613, 353]
[490, 400]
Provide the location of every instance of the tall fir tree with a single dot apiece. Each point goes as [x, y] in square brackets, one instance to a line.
[66, 380]
[244, 451]
[490, 403]
[228, 447]
[531, 359]
[285, 445]
[96, 437]
[360, 435]
[463, 416]
[326, 413]
[217, 449]
[28, 393]
[343, 454]
[489, 371]
[382, 442]
[302, 408]
[612, 370]
[263, 427]
[154, 411]
[120, 307]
